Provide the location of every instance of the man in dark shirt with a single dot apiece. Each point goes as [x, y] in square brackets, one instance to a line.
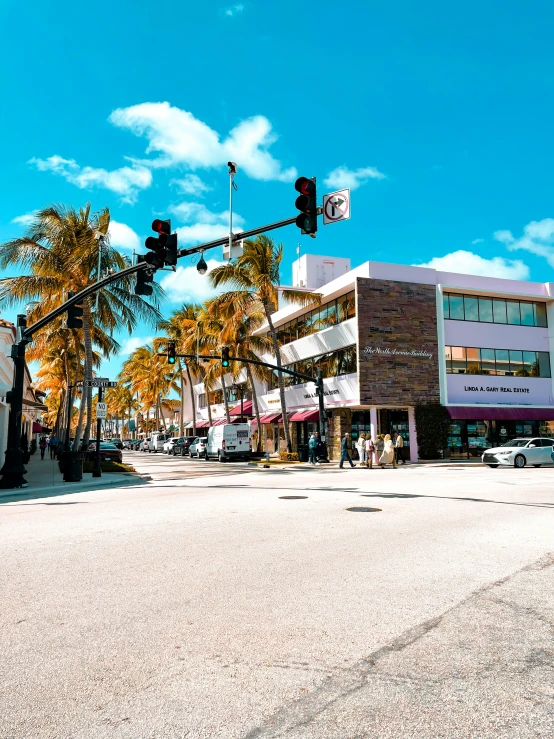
[345, 454]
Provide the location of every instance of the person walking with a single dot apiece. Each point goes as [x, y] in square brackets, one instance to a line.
[387, 455]
[379, 446]
[399, 448]
[369, 451]
[360, 446]
[53, 446]
[344, 453]
[42, 446]
[312, 446]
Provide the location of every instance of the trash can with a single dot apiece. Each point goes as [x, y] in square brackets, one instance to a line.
[72, 466]
[302, 452]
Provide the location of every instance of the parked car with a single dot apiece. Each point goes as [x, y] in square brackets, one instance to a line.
[108, 452]
[168, 445]
[156, 443]
[182, 446]
[520, 452]
[228, 441]
[116, 441]
[144, 444]
[198, 447]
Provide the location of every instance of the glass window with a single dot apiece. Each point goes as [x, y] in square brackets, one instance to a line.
[350, 305]
[499, 310]
[473, 365]
[445, 305]
[516, 363]
[488, 366]
[331, 313]
[485, 310]
[540, 314]
[502, 361]
[459, 359]
[448, 357]
[513, 312]
[457, 307]
[527, 318]
[471, 309]
[529, 362]
[301, 326]
[544, 364]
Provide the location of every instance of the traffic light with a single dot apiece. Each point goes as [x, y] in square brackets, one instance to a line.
[225, 356]
[171, 352]
[171, 250]
[307, 203]
[74, 314]
[144, 279]
[158, 254]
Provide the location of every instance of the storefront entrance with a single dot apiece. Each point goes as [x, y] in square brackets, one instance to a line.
[469, 439]
[395, 421]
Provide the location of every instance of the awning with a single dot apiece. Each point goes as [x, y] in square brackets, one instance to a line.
[34, 404]
[202, 424]
[220, 422]
[311, 415]
[37, 428]
[271, 418]
[246, 410]
[486, 413]
[188, 425]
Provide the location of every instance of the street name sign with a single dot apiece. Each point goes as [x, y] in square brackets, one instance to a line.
[101, 410]
[336, 207]
[100, 382]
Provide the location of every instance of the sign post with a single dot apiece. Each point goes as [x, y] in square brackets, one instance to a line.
[97, 471]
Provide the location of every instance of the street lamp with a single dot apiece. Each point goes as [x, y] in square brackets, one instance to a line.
[202, 267]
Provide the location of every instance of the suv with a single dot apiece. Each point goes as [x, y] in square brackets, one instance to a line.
[117, 441]
[198, 447]
[168, 445]
[182, 446]
[144, 444]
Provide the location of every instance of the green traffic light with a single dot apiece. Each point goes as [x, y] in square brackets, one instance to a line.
[171, 360]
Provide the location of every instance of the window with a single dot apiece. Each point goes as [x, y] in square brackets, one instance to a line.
[341, 362]
[459, 307]
[508, 362]
[319, 318]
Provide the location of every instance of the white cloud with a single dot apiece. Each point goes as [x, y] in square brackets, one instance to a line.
[125, 181]
[477, 241]
[133, 343]
[538, 239]
[186, 285]
[342, 177]
[123, 236]
[468, 263]
[183, 140]
[233, 10]
[204, 224]
[26, 219]
[191, 184]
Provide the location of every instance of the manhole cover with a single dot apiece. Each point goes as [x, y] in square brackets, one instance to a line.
[363, 509]
[293, 497]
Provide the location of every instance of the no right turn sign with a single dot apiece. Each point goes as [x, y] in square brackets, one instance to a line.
[336, 206]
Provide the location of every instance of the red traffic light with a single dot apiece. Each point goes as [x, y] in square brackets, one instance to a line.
[161, 227]
[305, 186]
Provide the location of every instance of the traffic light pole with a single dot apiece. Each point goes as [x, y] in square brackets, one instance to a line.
[97, 471]
[13, 471]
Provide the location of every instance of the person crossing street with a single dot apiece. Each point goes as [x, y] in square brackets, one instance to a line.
[345, 454]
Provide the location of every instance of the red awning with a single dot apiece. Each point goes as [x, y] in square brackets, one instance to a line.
[202, 424]
[312, 415]
[220, 422]
[37, 428]
[246, 409]
[271, 418]
[486, 413]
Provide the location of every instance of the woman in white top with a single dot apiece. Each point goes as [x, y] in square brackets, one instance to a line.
[360, 446]
[387, 456]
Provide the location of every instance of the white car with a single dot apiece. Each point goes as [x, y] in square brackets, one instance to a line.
[519, 452]
[198, 447]
[169, 444]
[143, 446]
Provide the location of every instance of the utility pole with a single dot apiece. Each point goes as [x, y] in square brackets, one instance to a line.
[13, 469]
[97, 471]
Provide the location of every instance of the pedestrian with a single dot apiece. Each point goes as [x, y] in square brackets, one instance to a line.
[320, 449]
[344, 453]
[312, 446]
[370, 451]
[379, 446]
[42, 446]
[53, 446]
[360, 446]
[399, 448]
[387, 455]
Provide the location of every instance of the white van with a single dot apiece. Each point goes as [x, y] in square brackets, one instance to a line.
[228, 441]
[156, 443]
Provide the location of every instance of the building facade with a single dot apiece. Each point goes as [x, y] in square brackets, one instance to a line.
[388, 337]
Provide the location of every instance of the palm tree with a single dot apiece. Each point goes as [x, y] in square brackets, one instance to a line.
[61, 250]
[254, 279]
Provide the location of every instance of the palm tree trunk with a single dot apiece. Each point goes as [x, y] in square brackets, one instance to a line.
[192, 400]
[255, 404]
[157, 414]
[277, 353]
[182, 414]
[209, 409]
[225, 399]
[162, 413]
[87, 337]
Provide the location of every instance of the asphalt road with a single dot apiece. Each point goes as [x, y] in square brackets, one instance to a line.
[211, 607]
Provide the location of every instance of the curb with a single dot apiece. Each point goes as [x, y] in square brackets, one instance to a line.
[76, 487]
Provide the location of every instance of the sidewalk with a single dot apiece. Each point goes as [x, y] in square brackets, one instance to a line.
[44, 478]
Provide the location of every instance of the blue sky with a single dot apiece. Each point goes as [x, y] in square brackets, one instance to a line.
[439, 118]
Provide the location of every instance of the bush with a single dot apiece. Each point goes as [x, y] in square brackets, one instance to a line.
[432, 422]
[288, 456]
